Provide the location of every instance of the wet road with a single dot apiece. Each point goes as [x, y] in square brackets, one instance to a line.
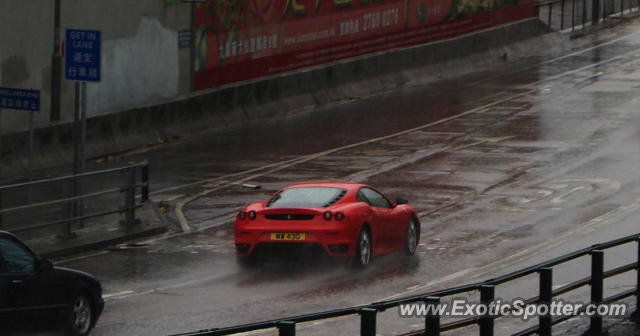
[507, 166]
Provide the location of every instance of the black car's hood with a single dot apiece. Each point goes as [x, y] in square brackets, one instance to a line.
[69, 270]
[85, 276]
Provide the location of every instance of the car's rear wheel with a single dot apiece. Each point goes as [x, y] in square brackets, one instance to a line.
[411, 237]
[363, 249]
[80, 316]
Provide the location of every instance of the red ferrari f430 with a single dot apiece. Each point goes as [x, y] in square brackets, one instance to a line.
[341, 220]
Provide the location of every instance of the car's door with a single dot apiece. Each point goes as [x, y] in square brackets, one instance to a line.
[384, 222]
[19, 294]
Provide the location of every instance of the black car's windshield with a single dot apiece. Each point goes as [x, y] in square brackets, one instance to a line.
[306, 197]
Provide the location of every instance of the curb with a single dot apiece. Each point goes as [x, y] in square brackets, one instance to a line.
[99, 236]
[100, 244]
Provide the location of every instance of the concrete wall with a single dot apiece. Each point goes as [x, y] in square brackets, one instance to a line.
[142, 69]
[141, 60]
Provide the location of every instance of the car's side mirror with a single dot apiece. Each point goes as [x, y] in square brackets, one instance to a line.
[401, 200]
[44, 265]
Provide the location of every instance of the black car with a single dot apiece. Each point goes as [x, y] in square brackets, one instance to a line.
[35, 295]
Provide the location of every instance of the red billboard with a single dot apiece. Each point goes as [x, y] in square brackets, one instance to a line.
[243, 39]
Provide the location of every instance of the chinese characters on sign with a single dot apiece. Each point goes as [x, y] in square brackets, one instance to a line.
[248, 46]
[19, 99]
[82, 55]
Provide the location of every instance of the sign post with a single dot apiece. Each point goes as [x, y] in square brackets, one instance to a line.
[25, 100]
[82, 65]
[191, 40]
[0, 165]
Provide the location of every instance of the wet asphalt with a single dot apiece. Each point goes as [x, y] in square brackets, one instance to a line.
[507, 166]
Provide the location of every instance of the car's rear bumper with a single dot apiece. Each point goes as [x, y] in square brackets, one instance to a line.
[315, 243]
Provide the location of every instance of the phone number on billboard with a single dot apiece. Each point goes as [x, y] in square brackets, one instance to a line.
[383, 19]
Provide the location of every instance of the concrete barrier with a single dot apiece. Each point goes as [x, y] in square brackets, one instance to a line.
[235, 106]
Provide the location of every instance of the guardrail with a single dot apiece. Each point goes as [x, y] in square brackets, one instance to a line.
[66, 193]
[368, 313]
[578, 14]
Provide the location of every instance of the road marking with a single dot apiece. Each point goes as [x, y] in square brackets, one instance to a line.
[62, 261]
[131, 293]
[118, 294]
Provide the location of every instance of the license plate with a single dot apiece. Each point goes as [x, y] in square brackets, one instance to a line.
[287, 236]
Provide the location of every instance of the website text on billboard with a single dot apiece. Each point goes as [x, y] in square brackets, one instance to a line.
[243, 39]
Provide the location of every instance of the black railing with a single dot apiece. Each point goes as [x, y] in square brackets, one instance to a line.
[433, 326]
[68, 194]
[578, 14]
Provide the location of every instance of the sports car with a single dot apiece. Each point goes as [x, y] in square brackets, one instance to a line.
[340, 219]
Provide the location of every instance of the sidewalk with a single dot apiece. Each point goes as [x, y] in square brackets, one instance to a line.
[98, 236]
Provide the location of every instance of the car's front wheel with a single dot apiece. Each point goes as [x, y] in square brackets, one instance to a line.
[363, 249]
[411, 237]
[80, 316]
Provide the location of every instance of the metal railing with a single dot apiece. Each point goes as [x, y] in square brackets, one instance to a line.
[578, 14]
[66, 194]
[368, 313]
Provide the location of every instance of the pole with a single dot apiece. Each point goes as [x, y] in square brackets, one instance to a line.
[130, 197]
[546, 295]
[192, 54]
[0, 165]
[573, 15]
[287, 328]
[56, 65]
[432, 320]
[562, 4]
[597, 278]
[30, 172]
[368, 322]
[83, 137]
[76, 147]
[637, 312]
[487, 295]
[83, 118]
[144, 191]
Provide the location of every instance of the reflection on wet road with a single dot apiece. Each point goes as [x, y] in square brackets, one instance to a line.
[506, 166]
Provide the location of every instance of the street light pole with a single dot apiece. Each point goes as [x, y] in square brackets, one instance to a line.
[56, 65]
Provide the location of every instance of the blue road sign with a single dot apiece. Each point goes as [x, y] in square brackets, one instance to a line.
[82, 55]
[19, 99]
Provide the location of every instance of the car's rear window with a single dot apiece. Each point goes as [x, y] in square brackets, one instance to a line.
[306, 197]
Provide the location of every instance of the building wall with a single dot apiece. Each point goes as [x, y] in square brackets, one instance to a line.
[141, 61]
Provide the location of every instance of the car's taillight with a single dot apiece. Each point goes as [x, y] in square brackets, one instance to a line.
[327, 215]
[242, 215]
[339, 216]
[251, 214]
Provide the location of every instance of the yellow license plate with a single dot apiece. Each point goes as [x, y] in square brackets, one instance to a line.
[287, 236]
